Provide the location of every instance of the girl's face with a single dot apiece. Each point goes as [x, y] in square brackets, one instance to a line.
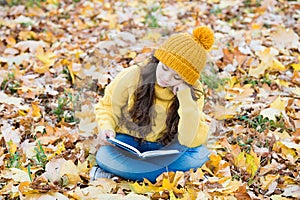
[167, 77]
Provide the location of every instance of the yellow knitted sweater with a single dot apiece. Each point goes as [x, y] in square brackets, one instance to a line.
[192, 129]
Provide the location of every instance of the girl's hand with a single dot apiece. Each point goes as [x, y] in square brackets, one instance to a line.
[105, 134]
[180, 86]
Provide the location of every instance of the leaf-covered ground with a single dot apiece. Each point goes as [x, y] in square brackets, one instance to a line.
[56, 58]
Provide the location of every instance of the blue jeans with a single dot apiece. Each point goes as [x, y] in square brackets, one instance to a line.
[129, 166]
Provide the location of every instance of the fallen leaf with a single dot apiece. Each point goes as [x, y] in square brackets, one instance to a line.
[32, 45]
[69, 169]
[225, 112]
[16, 174]
[292, 191]
[53, 168]
[257, 71]
[276, 108]
[10, 134]
[284, 38]
[36, 111]
[296, 66]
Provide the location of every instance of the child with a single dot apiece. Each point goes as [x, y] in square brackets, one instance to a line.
[157, 105]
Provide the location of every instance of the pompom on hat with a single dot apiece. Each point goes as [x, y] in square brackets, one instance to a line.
[186, 54]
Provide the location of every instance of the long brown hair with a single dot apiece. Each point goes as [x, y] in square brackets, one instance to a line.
[139, 117]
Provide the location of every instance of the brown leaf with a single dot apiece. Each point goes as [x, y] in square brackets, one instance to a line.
[241, 193]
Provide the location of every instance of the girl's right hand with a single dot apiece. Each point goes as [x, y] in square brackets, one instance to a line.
[105, 134]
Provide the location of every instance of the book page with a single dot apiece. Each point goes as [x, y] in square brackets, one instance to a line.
[145, 154]
[125, 146]
[158, 153]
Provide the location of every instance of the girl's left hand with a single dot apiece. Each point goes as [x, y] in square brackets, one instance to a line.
[180, 86]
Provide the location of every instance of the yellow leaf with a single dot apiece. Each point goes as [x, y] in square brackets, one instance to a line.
[279, 104]
[83, 166]
[10, 41]
[276, 108]
[26, 35]
[60, 149]
[223, 169]
[132, 54]
[172, 196]
[268, 179]
[214, 160]
[195, 176]
[296, 66]
[276, 65]
[282, 82]
[253, 162]
[40, 69]
[36, 111]
[55, 2]
[70, 170]
[74, 69]
[231, 186]
[233, 80]
[240, 160]
[256, 26]
[285, 151]
[205, 168]
[21, 112]
[249, 162]
[47, 58]
[259, 70]
[142, 189]
[12, 147]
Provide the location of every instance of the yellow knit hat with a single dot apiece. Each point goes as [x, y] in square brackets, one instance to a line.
[186, 53]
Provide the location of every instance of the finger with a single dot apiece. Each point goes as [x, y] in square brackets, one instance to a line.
[103, 138]
[110, 134]
[105, 141]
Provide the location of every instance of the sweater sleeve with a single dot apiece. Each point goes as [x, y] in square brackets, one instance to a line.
[192, 128]
[108, 109]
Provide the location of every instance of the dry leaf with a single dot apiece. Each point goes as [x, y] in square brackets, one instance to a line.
[285, 38]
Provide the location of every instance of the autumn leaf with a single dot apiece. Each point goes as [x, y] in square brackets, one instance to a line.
[17, 175]
[249, 162]
[276, 108]
[47, 59]
[225, 112]
[285, 38]
[69, 169]
[36, 111]
[10, 134]
[296, 66]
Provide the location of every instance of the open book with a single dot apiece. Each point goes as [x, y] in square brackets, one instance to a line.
[145, 154]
